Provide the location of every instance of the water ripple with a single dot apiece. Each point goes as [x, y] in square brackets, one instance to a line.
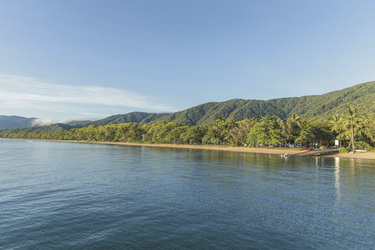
[74, 196]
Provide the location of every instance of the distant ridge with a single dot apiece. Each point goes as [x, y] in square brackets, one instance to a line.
[16, 121]
[50, 128]
[24, 122]
[324, 106]
[138, 117]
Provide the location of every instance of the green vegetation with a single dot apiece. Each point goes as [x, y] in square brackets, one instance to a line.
[344, 150]
[321, 119]
[138, 117]
[51, 128]
[318, 107]
[308, 107]
[268, 131]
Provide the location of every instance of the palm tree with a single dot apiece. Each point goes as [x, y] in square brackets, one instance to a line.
[337, 126]
[290, 127]
[351, 114]
[354, 121]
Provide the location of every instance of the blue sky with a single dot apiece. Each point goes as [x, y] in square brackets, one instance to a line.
[64, 59]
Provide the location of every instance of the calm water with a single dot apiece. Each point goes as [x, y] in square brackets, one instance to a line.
[71, 195]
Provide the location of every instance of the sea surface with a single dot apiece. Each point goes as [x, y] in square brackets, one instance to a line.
[60, 195]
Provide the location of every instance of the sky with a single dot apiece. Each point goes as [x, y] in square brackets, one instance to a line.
[67, 59]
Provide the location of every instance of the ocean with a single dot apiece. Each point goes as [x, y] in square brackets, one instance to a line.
[60, 195]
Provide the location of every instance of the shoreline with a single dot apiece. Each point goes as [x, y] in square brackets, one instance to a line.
[276, 151]
[261, 150]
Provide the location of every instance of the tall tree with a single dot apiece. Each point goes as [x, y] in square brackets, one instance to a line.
[238, 134]
[369, 129]
[290, 127]
[266, 131]
[306, 134]
[338, 127]
[354, 122]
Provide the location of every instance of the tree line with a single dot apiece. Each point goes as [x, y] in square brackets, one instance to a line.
[351, 130]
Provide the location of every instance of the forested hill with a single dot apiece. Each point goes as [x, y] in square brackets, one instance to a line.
[50, 128]
[16, 121]
[138, 117]
[324, 106]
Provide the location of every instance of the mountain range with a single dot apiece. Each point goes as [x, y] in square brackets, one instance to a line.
[324, 106]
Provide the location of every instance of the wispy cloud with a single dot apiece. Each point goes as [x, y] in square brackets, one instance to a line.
[42, 122]
[21, 91]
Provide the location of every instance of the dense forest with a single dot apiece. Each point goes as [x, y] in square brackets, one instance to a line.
[353, 131]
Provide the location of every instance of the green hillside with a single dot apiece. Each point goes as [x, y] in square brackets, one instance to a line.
[324, 106]
[51, 128]
[138, 117]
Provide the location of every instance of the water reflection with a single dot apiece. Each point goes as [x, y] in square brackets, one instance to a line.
[337, 178]
[104, 196]
[352, 166]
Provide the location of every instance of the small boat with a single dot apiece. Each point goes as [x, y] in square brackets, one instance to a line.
[304, 149]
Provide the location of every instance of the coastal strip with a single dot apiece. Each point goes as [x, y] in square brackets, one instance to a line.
[261, 150]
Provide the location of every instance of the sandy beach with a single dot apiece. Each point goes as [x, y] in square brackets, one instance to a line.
[263, 150]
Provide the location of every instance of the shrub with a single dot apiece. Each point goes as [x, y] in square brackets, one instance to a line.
[362, 145]
[344, 150]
